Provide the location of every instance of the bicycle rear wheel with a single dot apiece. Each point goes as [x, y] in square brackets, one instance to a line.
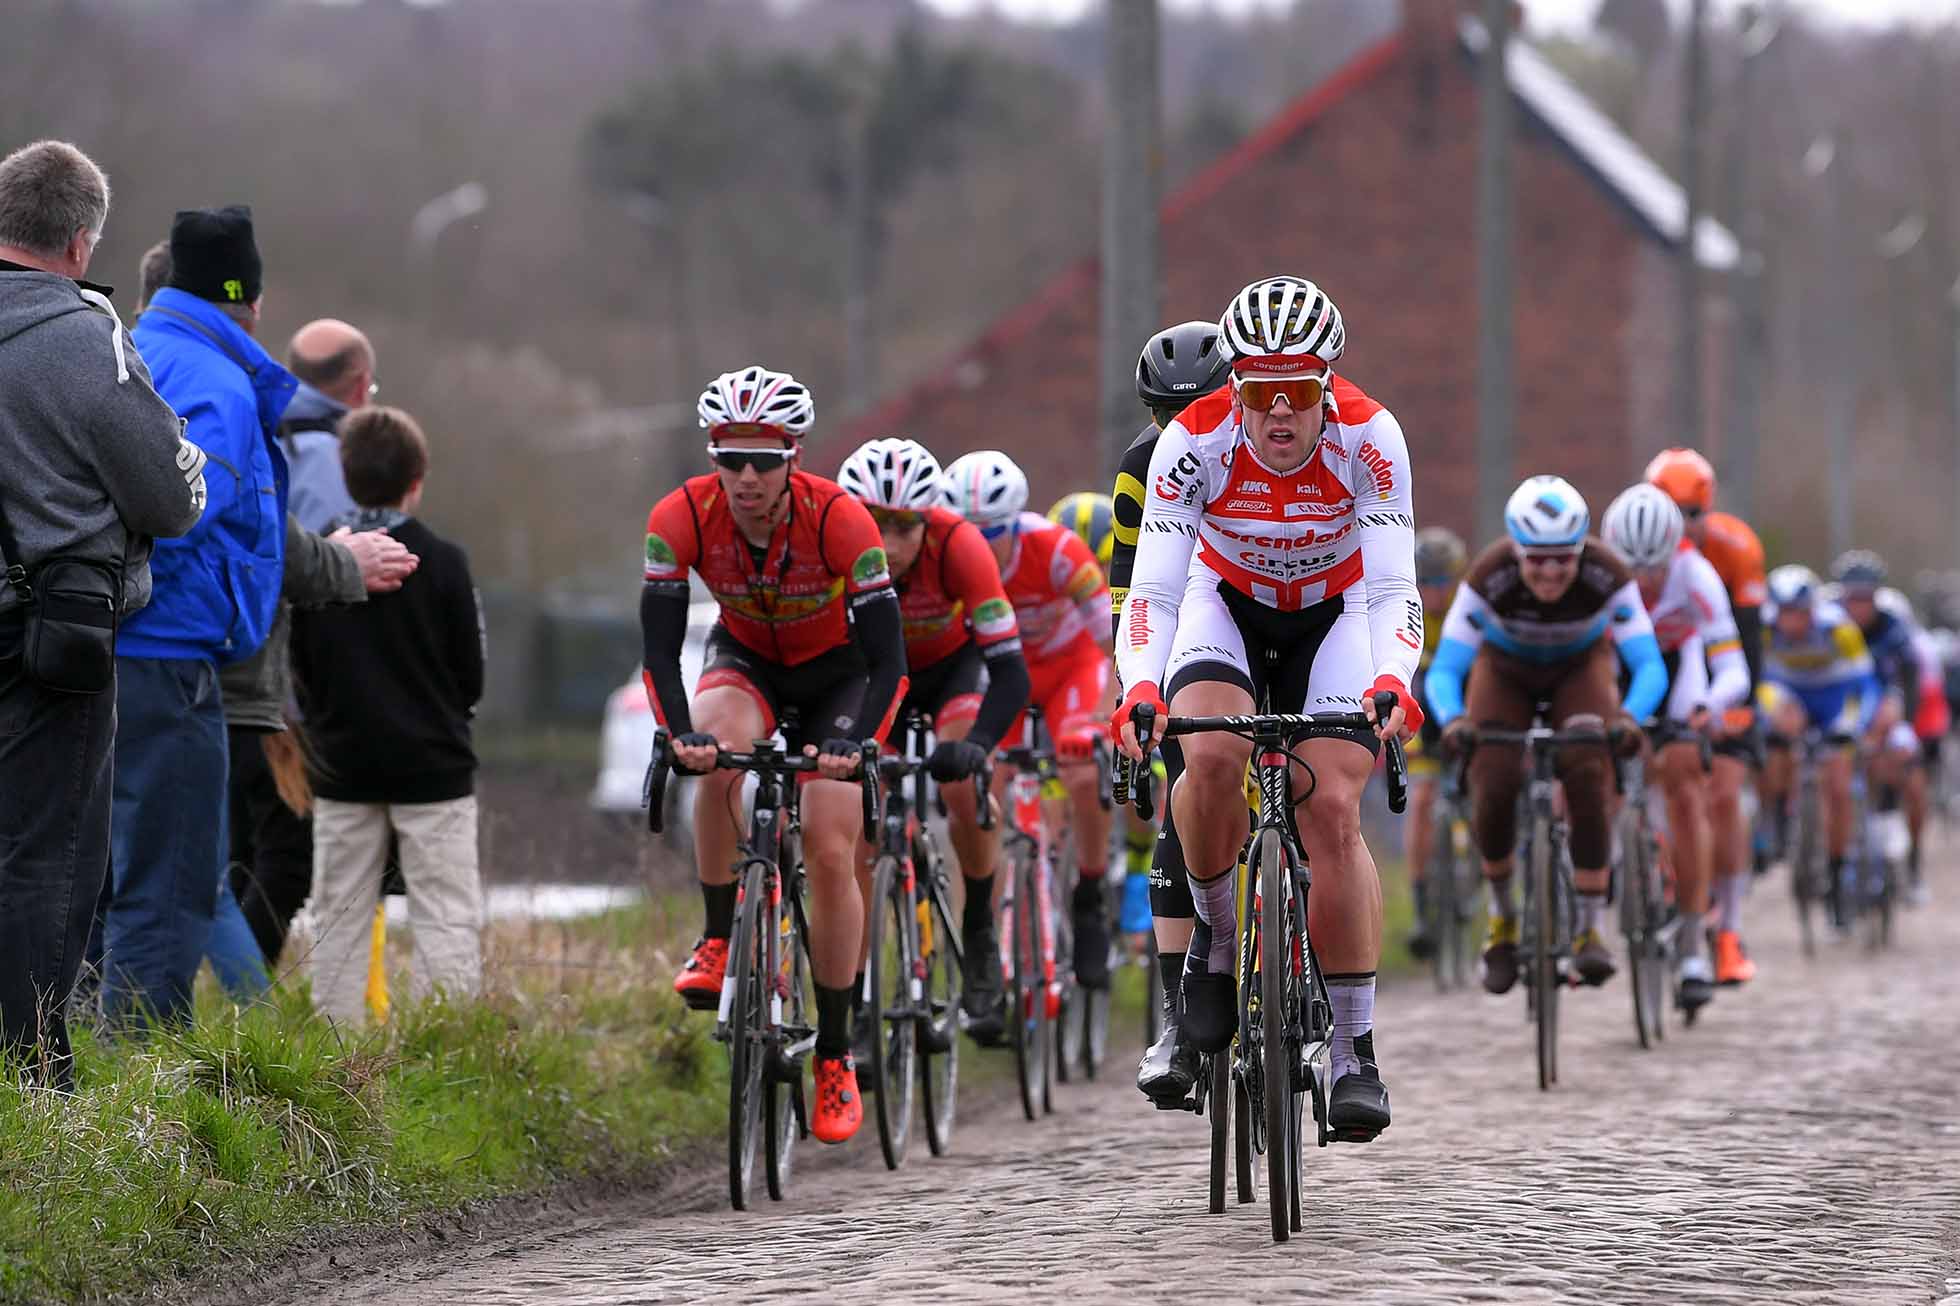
[748, 1034]
[939, 1013]
[794, 1025]
[1545, 978]
[1277, 1050]
[1805, 888]
[1636, 915]
[1027, 994]
[890, 976]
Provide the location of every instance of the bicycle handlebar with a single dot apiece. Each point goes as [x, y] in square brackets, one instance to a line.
[768, 760]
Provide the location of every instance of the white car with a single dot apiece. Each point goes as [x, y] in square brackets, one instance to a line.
[626, 736]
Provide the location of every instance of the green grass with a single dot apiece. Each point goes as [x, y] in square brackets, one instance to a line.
[256, 1126]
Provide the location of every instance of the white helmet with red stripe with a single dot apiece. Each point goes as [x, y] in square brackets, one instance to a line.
[895, 473]
[754, 394]
[985, 487]
[1284, 318]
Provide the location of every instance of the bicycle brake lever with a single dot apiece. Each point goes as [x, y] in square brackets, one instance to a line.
[653, 790]
[1397, 777]
[868, 782]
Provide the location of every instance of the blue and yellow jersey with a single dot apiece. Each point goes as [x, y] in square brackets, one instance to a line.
[1829, 670]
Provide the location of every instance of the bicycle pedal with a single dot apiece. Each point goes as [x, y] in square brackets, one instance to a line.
[1353, 1135]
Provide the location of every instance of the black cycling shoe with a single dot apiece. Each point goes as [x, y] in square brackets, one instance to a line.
[982, 990]
[1090, 918]
[1697, 986]
[1169, 1067]
[1210, 1013]
[1357, 1109]
[1501, 955]
[1421, 946]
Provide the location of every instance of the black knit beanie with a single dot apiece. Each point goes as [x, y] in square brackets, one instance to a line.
[214, 256]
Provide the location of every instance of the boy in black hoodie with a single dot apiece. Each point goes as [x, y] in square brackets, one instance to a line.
[388, 689]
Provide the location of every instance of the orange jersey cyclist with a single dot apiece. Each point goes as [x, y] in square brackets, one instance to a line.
[1276, 559]
[968, 675]
[809, 626]
[1061, 602]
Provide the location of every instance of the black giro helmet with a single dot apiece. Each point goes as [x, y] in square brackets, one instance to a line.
[1858, 569]
[1182, 363]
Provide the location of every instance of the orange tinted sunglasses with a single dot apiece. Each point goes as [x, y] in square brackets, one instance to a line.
[1303, 393]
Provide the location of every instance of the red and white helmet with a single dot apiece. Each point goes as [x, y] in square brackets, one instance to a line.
[756, 395]
[1283, 325]
[895, 473]
[985, 487]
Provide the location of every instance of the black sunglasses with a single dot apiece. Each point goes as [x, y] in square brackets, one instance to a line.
[740, 460]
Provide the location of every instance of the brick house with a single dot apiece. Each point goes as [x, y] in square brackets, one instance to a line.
[1376, 170]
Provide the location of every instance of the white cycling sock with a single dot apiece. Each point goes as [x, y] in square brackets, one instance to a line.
[1592, 912]
[1728, 902]
[1214, 901]
[1504, 897]
[1693, 937]
[1353, 1000]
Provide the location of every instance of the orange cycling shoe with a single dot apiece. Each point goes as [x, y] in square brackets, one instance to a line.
[1732, 966]
[699, 982]
[839, 1110]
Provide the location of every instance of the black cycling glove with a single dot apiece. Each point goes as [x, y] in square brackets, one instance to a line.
[694, 739]
[955, 759]
[839, 748]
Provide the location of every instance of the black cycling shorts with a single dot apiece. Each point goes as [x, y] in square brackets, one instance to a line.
[949, 690]
[809, 702]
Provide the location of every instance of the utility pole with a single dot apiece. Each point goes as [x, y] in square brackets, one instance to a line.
[1694, 113]
[1824, 163]
[1740, 448]
[1953, 311]
[1496, 325]
[1132, 168]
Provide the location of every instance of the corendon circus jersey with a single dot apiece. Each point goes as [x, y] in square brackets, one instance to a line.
[817, 596]
[1340, 526]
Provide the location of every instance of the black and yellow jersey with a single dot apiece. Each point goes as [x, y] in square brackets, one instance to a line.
[1128, 498]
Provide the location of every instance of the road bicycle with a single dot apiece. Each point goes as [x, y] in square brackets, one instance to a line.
[1649, 918]
[1032, 948]
[1450, 883]
[912, 978]
[1550, 921]
[768, 1000]
[1280, 1053]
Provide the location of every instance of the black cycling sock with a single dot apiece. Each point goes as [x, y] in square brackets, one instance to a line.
[979, 910]
[833, 1021]
[720, 900]
[857, 992]
[1088, 893]
[1170, 969]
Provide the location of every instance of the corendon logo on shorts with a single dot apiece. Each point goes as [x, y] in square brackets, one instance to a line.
[1378, 464]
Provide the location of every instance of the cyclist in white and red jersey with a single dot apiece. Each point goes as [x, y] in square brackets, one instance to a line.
[1707, 675]
[1277, 558]
[1061, 603]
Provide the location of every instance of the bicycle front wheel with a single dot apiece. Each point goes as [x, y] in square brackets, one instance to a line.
[1278, 1048]
[748, 1033]
[939, 1013]
[1545, 978]
[793, 1019]
[1027, 992]
[1636, 917]
[890, 976]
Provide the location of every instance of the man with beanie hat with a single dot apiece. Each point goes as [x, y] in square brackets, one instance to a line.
[215, 594]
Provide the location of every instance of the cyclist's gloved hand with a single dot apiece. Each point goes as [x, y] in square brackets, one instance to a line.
[955, 759]
[1626, 735]
[1458, 736]
[694, 739]
[1140, 694]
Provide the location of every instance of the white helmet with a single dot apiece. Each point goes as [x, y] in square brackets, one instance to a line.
[894, 473]
[1793, 585]
[1284, 315]
[756, 394]
[985, 487]
[1547, 513]
[1644, 524]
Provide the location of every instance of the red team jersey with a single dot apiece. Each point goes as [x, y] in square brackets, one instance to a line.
[1059, 592]
[952, 593]
[792, 604]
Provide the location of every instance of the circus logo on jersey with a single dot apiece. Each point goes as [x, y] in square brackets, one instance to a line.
[1378, 464]
[660, 557]
[1175, 485]
[871, 568]
[993, 617]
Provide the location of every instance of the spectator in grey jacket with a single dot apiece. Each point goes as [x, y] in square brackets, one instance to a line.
[95, 464]
[335, 366]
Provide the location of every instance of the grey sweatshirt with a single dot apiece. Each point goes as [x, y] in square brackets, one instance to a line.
[92, 462]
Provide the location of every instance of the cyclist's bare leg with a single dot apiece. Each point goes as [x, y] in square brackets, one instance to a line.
[975, 849]
[1679, 767]
[731, 715]
[1422, 799]
[1729, 847]
[1345, 908]
[1836, 774]
[832, 824]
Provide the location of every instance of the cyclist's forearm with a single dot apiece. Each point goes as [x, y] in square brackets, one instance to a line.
[1749, 626]
[1729, 685]
[1444, 683]
[881, 636]
[663, 629]
[1008, 683]
[1648, 687]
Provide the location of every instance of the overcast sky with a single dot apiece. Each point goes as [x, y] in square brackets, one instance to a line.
[1539, 14]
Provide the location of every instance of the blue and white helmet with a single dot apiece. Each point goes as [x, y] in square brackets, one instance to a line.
[1547, 513]
[1793, 585]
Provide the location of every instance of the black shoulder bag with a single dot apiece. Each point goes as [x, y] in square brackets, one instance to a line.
[72, 607]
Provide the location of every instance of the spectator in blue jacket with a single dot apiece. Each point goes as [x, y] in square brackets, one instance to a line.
[215, 594]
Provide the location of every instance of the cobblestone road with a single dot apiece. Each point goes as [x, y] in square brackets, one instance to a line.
[1801, 1144]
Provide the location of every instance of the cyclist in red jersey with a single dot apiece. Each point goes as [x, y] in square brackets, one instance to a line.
[966, 669]
[1061, 601]
[809, 626]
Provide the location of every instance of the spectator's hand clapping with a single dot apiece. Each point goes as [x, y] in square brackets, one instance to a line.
[385, 561]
